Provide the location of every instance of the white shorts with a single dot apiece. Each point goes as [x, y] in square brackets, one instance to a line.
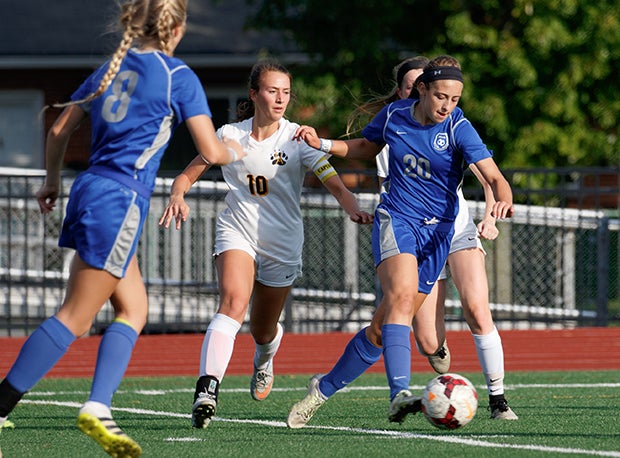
[269, 271]
[464, 238]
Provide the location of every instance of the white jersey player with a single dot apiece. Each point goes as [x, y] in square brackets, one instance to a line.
[259, 235]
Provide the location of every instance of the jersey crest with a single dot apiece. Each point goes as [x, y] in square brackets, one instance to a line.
[440, 142]
[279, 157]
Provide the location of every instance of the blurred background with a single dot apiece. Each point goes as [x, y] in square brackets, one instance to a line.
[541, 88]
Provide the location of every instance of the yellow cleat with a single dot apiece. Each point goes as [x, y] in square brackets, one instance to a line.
[109, 436]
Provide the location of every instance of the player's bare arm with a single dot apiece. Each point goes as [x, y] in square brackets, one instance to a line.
[502, 208]
[55, 148]
[486, 227]
[347, 201]
[356, 148]
[177, 207]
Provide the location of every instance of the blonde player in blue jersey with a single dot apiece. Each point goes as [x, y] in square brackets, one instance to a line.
[430, 144]
[466, 264]
[134, 102]
[259, 236]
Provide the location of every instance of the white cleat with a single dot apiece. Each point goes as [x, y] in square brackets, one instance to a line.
[302, 412]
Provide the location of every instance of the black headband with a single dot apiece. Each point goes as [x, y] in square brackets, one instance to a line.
[405, 68]
[441, 73]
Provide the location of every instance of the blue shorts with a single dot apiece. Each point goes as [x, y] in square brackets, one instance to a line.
[103, 222]
[429, 243]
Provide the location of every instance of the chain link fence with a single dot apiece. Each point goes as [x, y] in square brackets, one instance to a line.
[554, 265]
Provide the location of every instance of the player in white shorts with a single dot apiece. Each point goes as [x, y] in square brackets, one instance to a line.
[466, 264]
[259, 236]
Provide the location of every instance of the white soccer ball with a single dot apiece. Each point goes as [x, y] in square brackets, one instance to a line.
[449, 401]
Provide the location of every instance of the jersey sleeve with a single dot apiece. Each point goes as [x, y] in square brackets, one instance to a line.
[89, 86]
[374, 130]
[188, 96]
[469, 142]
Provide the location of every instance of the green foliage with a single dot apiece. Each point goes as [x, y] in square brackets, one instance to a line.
[541, 75]
[321, 102]
[544, 90]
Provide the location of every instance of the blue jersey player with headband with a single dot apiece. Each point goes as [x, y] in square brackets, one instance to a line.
[430, 145]
[134, 102]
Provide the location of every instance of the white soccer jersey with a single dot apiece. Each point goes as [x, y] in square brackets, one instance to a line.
[382, 162]
[464, 225]
[265, 190]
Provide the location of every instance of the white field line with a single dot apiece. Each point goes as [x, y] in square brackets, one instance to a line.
[158, 392]
[374, 432]
[476, 441]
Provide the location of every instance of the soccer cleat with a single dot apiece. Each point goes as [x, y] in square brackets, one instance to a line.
[303, 411]
[203, 410]
[402, 405]
[500, 409]
[440, 361]
[5, 423]
[205, 401]
[261, 383]
[109, 436]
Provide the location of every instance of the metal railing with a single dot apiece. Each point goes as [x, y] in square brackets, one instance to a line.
[552, 266]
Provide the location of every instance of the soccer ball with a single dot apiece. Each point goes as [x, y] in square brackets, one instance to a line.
[449, 401]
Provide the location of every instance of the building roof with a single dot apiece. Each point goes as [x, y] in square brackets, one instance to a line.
[73, 33]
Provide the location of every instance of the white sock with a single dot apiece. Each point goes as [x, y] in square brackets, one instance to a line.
[218, 345]
[491, 357]
[264, 353]
[97, 409]
[2, 420]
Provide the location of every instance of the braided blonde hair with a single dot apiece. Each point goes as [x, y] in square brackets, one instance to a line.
[141, 21]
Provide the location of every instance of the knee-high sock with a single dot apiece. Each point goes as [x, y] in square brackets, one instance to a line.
[491, 357]
[218, 345]
[397, 356]
[41, 351]
[359, 354]
[112, 360]
[265, 352]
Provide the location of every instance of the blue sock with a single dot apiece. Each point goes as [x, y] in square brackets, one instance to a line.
[112, 360]
[397, 356]
[358, 356]
[41, 351]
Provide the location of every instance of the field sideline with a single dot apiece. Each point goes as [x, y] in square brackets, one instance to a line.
[564, 385]
[568, 413]
[178, 354]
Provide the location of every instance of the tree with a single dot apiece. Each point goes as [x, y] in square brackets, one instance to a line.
[541, 75]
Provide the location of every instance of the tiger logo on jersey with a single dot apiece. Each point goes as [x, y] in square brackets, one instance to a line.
[279, 157]
[441, 143]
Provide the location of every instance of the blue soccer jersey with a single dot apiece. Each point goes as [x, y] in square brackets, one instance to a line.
[426, 163]
[133, 120]
[132, 123]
